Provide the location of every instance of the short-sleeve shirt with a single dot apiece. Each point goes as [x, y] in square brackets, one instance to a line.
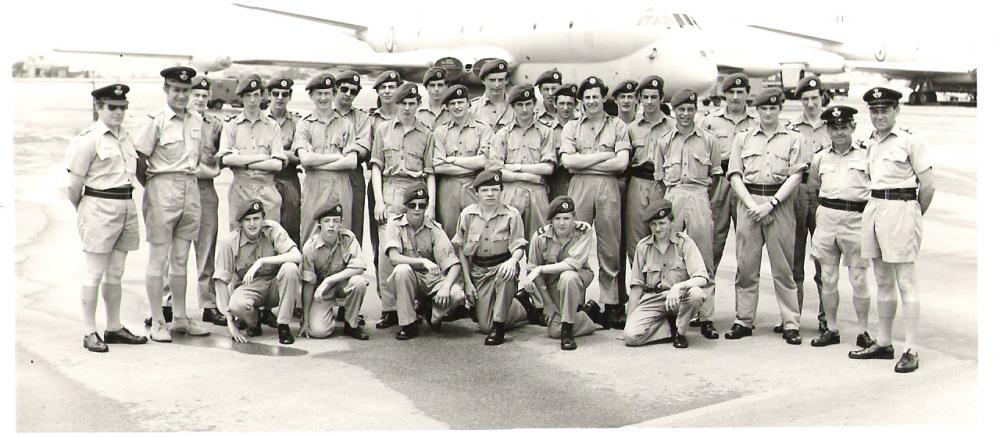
[494, 114]
[321, 260]
[242, 135]
[211, 136]
[237, 252]
[689, 160]
[287, 125]
[428, 241]
[654, 269]
[583, 135]
[896, 160]
[766, 159]
[362, 123]
[172, 141]
[401, 151]
[431, 118]
[326, 136]
[843, 176]
[531, 144]
[643, 134]
[719, 123]
[547, 248]
[481, 235]
[466, 139]
[104, 160]
[544, 117]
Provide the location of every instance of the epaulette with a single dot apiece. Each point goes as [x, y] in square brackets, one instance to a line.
[907, 130]
[230, 117]
[861, 144]
[85, 131]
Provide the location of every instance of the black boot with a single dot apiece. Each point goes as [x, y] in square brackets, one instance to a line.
[566, 340]
[672, 322]
[268, 318]
[285, 334]
[496, 334]
[213, 316]
[389, 319]
[593, 311]
[615, 315]
[535, 316]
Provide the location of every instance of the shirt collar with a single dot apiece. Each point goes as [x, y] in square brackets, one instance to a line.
[263, 227]
[801, 119]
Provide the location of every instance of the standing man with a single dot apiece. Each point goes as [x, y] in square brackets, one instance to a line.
[548, 83]
[401, 158]
[169, 142]
[332, 274]
[101, 163]
[287, 179]
[424, 265]
[460, 148]
[490, 244]
[252, 148]
[842, 173]
[595, 149]
[565, 98]
[902, 187]
[688, 162]
[625, 101]
[347, 87]
[667, 279]
[558, 268]
[257, 266]
[492, 107]
[436, 84]
[385, 86]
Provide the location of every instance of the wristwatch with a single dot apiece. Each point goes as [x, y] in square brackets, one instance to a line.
[775, 201]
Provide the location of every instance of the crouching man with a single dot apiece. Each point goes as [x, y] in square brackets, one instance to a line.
[257, 266]
[668, 274]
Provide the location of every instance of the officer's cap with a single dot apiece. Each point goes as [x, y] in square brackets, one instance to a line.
[114, 93]
[653, 82]
[434, 73]
[406, 91]
[414, 192]
[330, 210]
[248, 84]
[838, 114]
[591, 82]
[350, 76]
[568, 90]
[769, 96]
[625, 86]
[322, 81]
[520, 93]
[560, 205]
[657, 209]
[388, 76]
[254, 207]
[808, 83]
[880, 96]
[550, 76]
[488, 177]
[281, 82]
[493, 66]
[179, 77]
[684, 96]
[201, 83]
[735, 80]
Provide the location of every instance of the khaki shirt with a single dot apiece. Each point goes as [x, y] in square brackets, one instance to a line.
[321, 260]
[400, 151]
[680, 262]
[643, 135]
[582, 135]
[362, 124]
[895, 161]
[331, 136]
[495, 114]
[687, 160]
[725, 128]
[237, 252]
[464, 140]
[843, 177]
[514, 144]
[211, 137]
[102, 159]
[481, 235]
[242, 135]
[432, 119]
[287, 124]
[814, 139]
[171, 141]
[764, 159]
[544, 117]
[429, 241]
[546, 248]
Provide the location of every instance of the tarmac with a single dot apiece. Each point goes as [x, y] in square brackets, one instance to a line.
[450, 380]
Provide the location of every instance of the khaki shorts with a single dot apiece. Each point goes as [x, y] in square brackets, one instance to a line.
[171, 208]
[107, 224]
[891, 230]
[838, 238]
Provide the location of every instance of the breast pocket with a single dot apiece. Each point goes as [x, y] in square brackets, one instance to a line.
[858, 172]
[752, 163]
[651, 275]
[171, 146]
[676, 272]
[471, 243]
[896, 163]
[699, 165]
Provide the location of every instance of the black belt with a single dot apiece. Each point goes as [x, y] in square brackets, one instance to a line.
[651, 290]
[843, 205]
[896, 194]
[111, 193]
[725, 166]
[490, 261]
[763, 190]
[641, 172]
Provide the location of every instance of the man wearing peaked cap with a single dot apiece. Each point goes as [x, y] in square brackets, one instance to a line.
[257, 266]
[492, 108]
[625, 99]
[655, 298]
[332, 275]
[460, 150]
[559, 273]
[286, 180]
[547, 83]
[902, 184]
[436, 84]
[565, 103]
[179, 77]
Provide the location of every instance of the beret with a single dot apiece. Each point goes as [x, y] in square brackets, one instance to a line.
[657, 209]
[735, 80]
[178, 76]
[808, 83]
[560, 205]
[416, 191]
[248, 84]
[549, 76]
[591, 82]
[492, 66]
[626, 86]
[568, 90]
[350, 76]
[520, 93]
[281, 82]
[653, 82]
[838, 114]
[112, 93]
[435, 73]
[880, 96]
[488, 177]
[684, 96]
[769, 96]
[407, 90]
[320, 81]
[455, 92]
[201, 83]
[330, 210]
[387, 76]
[254, 207]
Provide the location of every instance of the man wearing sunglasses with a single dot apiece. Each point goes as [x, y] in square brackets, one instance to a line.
[490, 242]
[434, 114]
[287, 180]
[424, 265]
[565, 103]
[348, 85]
[492, 107]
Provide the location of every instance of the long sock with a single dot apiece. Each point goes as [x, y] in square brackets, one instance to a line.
[154, 294]
[178, 290]
[112, 305]
[911, 321]
[830, 303]
[862, 307]
[88, 297]
[886, 315]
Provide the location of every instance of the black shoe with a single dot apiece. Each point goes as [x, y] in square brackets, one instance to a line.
[297, 313]
[566, 340]
[908, 362]
[123, 336]
[267, 317]
[241, 324]
[593, 311]
[696, 323]
[213, 316]
[94, 343]
[407, 332]
[355, 333]
[340, 314]
[389, 319]
[778, 329]
[823, 326]
[256, 330]
[168, 316]
[680, 341]
[826, 338]
[285, 334]
[791, 336]
[535, 315]
[615, 315]
[496, 334]
[738, 331]
[361, 320]
[708, 330]
[873, 352]
[864, 340]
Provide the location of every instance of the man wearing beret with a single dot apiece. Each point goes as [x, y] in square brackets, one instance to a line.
[548, 83]
[558, 268]
[668, 276]
[424, 265]
[169, 143]
[490, 242]
[765, 171]
[842, 174]
[401, 158]
[902, 187]
[595, 149]
[491, 107]
[565, 102]
[725, 123]
[625, 100]
[287, 179]
[688, 162]
[461, 145]
[252, 148]
[815, 136]
[257, 266]
[332, 274]
[101, 163]
[436, 83]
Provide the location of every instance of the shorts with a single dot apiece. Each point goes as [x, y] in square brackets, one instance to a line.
[891, 230]
[171, 208]
[107, 224]
[838, 238]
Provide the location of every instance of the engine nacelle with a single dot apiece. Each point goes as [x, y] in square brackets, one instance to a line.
[208, 64]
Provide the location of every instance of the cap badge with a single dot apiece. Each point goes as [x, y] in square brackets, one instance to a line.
[693, 98]
[662, 213]
[565, 205]
[628, 86]
[458, 92]
[204, 82]
[420, 192]
[253, 84]
[327, 81]
[812, 83]
[413, 90]
[183, 75]
[437, 74]
[284, 83]
[573, 89]
[356, 78]
[118, 90]
[555, 75]
[256, 206]
[527, 93]
[337, 208]
[774, 99]
[836, 112]
[654, 83]
[592, 80]
[739, 81]
[496, 178]
[392, 75]
[500, 67]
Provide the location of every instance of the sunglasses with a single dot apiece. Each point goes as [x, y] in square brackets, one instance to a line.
[117, 107]
[349, 90]
[280, 93]
[415, 205]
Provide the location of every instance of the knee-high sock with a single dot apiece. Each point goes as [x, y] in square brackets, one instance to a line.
[178, 289]
[862, 306]
[154, 293]
[886, 315]
[112, 305]
[911, 321]
[88, 298]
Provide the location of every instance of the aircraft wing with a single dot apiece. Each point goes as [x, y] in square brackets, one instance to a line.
[908, 69]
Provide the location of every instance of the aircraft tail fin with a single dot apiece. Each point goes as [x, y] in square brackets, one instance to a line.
[356, 28]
